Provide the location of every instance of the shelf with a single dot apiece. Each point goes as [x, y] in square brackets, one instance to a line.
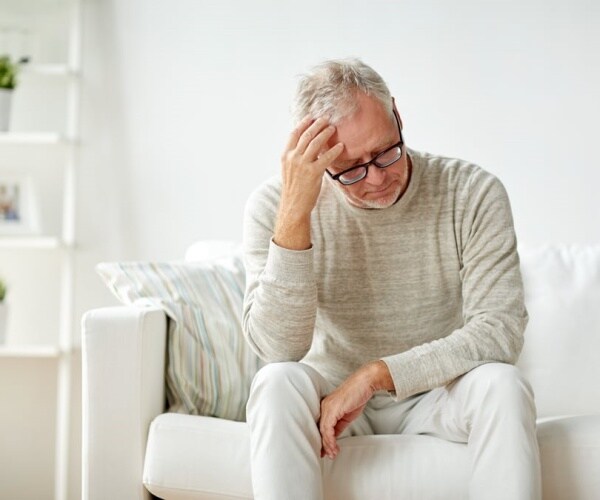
[28, 351]
[47, 70]
[23, 242]
[32, 138]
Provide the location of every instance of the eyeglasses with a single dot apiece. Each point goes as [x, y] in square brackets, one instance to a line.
[382, 160]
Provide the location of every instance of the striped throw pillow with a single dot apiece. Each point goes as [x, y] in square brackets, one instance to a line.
[209, 365]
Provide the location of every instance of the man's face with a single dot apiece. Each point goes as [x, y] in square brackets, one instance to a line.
[366, 133]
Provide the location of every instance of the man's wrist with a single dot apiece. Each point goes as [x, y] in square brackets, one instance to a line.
[379, 376]
[292, 231]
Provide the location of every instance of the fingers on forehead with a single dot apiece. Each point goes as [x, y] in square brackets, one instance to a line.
[304, 124]
[298, 131]
[314, 131]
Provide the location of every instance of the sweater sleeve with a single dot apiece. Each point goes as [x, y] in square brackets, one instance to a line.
[494, 314]
[280, 303]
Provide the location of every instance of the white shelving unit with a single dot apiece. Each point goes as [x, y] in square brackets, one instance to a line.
[62, 348]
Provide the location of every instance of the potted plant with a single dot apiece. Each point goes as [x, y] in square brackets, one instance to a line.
[3, 311]
[8, 81]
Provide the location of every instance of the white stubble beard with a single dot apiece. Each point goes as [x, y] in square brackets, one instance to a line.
[376, 204]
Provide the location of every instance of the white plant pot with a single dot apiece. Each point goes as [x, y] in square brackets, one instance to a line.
[5, 100]
[3, 321]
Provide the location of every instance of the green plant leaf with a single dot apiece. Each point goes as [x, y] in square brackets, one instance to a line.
[8, 73]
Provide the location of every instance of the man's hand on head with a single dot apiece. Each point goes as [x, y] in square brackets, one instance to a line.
[345, 404]
[303, 163]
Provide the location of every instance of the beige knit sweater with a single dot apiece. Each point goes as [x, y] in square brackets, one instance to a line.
[431, 285]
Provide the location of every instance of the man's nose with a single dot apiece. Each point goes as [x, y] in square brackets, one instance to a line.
[375, 176]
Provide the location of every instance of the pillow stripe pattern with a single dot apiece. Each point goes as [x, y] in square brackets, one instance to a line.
[209, 365]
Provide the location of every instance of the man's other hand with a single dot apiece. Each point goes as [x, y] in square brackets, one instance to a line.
[340, 408]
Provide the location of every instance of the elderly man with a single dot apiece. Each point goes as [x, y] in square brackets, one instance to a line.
[383, 288]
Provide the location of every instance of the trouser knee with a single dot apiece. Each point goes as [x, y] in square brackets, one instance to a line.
[501, 387]
[284, 388]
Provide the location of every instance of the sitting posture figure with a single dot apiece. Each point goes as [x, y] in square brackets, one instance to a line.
[384, 290]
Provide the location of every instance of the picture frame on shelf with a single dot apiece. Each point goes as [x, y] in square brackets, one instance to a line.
[18, 206]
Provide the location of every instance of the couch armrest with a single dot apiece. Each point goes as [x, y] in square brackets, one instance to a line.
[123, 362]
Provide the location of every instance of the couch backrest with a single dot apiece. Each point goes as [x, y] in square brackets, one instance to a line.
[562, 339]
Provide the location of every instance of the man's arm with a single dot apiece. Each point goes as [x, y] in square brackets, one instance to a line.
[280, 303]
[493, 305]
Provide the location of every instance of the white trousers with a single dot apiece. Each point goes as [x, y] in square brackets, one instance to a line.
[491, 408]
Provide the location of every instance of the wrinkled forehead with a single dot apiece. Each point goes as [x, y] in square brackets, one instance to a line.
[367, 130]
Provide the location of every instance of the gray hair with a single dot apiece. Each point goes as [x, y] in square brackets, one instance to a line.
[329, 89]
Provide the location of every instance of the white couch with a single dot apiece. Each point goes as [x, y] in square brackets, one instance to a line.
[131, 446]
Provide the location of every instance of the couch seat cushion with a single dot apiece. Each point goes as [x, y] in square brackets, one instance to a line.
[195, 457]
[570, 450]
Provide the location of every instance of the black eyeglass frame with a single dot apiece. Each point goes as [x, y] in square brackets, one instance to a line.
[400, 143]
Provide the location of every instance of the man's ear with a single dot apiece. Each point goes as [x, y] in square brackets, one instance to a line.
[397, 114]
